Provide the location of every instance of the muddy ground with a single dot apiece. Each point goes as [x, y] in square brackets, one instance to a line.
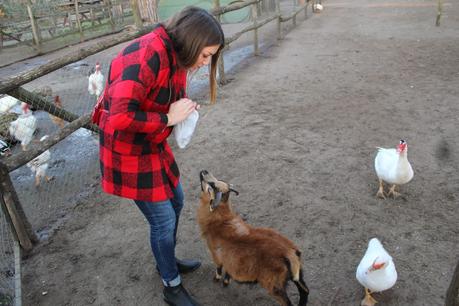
[295, 132]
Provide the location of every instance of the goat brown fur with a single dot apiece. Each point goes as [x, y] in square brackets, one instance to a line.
[246, 253]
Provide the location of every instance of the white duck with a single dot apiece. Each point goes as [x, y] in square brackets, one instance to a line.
[393, 167]
[376, 271]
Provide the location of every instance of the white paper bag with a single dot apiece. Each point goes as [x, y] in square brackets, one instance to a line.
[184, 130]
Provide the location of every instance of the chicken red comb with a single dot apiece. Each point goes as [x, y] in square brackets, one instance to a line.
[25, 107]
[402, 146]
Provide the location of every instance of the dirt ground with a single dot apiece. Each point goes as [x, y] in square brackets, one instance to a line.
[295, 132]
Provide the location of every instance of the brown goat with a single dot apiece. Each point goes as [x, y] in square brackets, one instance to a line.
[243, 252]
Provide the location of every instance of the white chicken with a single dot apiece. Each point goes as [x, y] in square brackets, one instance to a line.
[39, 165]
[376, 271]
[24, 126]
[7, 103]
[392, 166]
[96, 82]
[317, 7]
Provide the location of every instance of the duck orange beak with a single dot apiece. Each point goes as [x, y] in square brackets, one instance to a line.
[377, 266]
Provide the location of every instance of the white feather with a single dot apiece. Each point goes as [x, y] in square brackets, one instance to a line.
[96, 83]
[376, 280]
[23, 128]
[317, 8]
[393, 167]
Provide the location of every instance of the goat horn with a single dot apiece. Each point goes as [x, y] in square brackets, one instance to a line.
[215, 202]
[235, 191]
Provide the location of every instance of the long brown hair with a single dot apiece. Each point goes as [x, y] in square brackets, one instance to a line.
[191, 30]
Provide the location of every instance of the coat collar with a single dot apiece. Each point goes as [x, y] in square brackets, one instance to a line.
[167, 42]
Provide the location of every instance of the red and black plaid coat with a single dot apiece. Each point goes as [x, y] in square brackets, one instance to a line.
[135, 159]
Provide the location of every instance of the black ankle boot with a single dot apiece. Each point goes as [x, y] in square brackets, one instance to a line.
[178, 296]
[187, 266]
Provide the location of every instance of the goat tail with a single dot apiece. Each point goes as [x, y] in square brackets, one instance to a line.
[296, 272]
[293, 258]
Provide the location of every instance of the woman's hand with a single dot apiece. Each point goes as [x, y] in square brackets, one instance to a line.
[180, 110]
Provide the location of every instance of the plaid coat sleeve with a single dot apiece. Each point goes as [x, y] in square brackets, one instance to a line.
[131, 77]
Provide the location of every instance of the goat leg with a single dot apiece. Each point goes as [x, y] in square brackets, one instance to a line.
[303, 290]
[226, 279]
[218, 274]
[280, 294]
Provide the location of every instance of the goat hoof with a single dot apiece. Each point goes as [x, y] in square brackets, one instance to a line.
[217, 278]
[225, 283]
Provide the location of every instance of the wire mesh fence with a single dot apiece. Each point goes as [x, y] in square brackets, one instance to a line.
[28, 28]
[53, 183]
[55, 18]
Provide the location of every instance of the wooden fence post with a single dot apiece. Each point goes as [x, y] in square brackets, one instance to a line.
[279, 20]
[69, 17]
[77, 16]
[108, 3]
[294, 16]
[136, 14]
[93, 16]
[215, 6]
[34, 25]
[221, 68]
[306, 9]
[255, 31]
[221, 63]
[19, 221]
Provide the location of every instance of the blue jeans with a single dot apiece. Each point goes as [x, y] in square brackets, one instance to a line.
[163, 218]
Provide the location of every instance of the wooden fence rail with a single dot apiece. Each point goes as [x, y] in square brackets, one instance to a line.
[293, 14]
[254, 27]
[217, 11]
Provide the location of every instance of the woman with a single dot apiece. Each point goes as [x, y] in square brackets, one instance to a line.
[143, 99]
